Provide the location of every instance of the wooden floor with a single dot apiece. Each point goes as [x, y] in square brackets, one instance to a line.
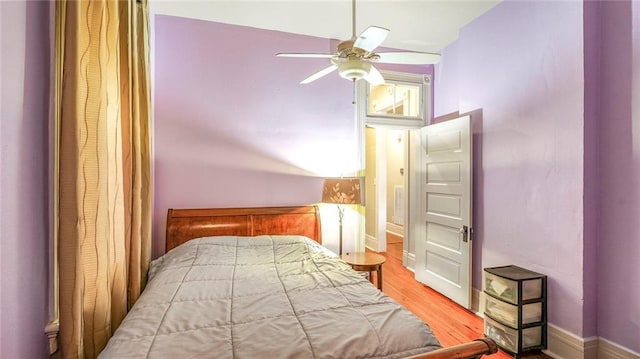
[450, 323]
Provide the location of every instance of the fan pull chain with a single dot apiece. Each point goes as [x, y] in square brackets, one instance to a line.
[354, 92]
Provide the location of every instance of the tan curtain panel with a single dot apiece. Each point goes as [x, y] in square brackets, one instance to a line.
[104, 167]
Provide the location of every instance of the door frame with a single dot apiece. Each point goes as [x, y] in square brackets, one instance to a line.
[409, 126]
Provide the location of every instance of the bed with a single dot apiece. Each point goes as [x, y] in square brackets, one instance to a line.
[256, 282]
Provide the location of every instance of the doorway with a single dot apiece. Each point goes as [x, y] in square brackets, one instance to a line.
[417, 182]
[393, 114]
[386, 181]
[419, 199]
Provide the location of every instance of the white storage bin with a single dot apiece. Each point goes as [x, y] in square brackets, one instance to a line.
[507, 290]
[532, 289]
[508, 338]
[506, 313]
[501, 288]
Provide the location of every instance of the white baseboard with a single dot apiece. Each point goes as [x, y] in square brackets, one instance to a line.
[395, 229]
[562, 344]
[591, 348]
[477, 299]
[610, 350]
[51, 330]
[565, 345]
[371, 242]
[409, 259]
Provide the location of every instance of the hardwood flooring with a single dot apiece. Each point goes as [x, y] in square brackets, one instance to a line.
[451, 323]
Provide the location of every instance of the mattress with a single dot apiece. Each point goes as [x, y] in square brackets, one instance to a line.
[267, 297]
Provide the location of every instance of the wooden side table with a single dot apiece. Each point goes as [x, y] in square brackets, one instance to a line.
[366, 262]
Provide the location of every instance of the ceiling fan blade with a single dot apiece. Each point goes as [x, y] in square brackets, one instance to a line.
[321, 56]
[374, 77]
[371, 38]
[319, 74]
[410, 58]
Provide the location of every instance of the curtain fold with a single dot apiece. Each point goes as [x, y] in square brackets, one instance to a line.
[104, 168]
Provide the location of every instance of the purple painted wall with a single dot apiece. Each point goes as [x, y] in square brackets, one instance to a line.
[233, 126]
[24, 141]
[619, 168]
[591, 210]
[556, 114]
[522, 64]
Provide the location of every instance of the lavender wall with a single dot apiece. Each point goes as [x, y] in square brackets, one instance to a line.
[25, 67]
[522, 64]
[591, 206]
[233, 127]
[619, 168]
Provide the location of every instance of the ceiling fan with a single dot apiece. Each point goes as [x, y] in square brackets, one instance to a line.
[353, 57]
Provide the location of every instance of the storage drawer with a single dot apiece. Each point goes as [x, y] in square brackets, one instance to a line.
[507, 337]
[506, 313]
[506, 289]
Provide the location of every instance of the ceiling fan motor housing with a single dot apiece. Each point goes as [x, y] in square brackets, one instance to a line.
[354, 69]
[346, 49]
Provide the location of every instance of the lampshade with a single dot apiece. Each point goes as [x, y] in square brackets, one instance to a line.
[342, 190]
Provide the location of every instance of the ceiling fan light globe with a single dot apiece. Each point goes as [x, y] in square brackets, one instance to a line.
[354, 70]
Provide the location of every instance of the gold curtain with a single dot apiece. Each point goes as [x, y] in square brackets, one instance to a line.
[103, 201]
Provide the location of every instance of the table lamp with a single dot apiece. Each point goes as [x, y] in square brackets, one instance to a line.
[342, 191]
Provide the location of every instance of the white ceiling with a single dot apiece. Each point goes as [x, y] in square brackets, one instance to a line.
[418, 25]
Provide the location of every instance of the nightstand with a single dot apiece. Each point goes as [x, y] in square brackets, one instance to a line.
[366, 262]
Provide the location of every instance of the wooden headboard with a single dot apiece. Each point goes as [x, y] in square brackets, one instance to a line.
[186, 224]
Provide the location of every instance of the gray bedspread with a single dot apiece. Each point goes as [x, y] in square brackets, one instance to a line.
[263, 297]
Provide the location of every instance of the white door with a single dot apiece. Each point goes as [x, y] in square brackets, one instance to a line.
[443, 225]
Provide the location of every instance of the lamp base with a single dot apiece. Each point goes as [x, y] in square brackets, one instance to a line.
[340, 216]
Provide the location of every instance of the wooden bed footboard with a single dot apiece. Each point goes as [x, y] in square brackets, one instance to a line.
[474, 349]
